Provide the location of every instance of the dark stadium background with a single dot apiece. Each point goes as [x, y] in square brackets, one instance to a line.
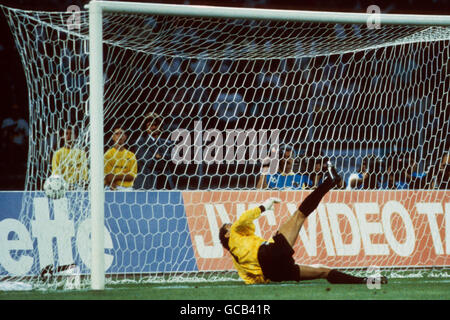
[13, 84]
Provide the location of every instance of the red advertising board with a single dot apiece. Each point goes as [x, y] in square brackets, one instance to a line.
[348, 229]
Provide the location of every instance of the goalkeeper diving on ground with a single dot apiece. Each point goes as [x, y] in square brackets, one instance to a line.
[261, 261]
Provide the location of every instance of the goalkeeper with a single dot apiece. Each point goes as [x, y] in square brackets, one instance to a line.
[260, 261]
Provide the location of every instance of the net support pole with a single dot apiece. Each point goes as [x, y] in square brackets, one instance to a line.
[96, 146]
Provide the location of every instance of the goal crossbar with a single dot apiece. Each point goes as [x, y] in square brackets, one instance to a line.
[269, 14]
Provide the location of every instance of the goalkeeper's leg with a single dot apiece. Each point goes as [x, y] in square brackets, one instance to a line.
[333, 276]
[291, 228]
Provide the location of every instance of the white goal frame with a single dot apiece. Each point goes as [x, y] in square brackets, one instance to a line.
[96, 89]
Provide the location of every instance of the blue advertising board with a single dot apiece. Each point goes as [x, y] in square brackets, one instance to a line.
[145, 232]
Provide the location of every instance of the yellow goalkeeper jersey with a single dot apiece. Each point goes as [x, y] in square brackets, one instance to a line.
[121, 162]
[244, 245]
[71, 164]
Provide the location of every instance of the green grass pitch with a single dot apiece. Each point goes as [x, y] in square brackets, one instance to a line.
[396, 289]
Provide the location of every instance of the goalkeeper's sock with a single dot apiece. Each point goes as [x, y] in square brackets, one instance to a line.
[313, 199]
[337, 277]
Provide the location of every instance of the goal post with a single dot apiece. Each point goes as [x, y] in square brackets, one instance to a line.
[97, 145]
[218, 83]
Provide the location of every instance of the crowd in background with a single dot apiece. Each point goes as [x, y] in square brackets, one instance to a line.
[372, 172]
[147, 164]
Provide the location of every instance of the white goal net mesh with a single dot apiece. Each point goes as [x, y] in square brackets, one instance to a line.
[373, 101]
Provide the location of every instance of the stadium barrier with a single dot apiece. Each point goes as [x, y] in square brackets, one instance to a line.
[174, 231]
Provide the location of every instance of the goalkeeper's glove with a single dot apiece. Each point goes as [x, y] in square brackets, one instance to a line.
[268, 204]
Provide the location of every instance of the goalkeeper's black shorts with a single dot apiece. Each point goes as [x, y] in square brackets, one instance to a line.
[276, 261]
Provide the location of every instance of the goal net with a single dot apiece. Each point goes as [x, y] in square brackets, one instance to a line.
[228, 103]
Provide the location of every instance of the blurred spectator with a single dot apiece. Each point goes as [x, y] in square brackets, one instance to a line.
[70, 161]
[396, 174]
[153, 157]
[402, 172]
[120, 163]
[316, 170]
[369, 175]
[413, 177]
[284, 179]
[14, 139]
[442, 180]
